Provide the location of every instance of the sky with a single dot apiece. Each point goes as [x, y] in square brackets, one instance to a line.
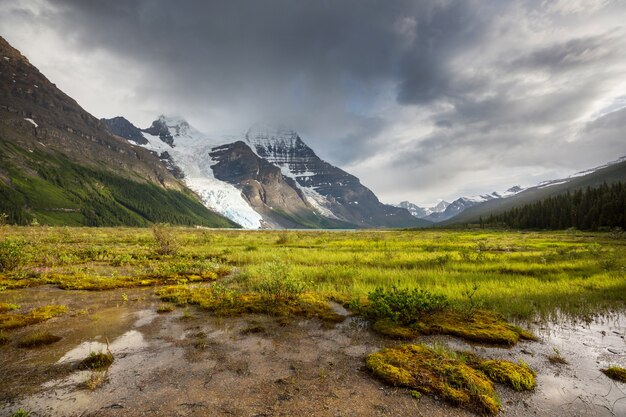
[422, 100]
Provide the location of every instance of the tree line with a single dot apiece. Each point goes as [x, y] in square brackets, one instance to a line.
[588, 209]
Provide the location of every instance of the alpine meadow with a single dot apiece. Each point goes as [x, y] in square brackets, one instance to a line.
[293, 208]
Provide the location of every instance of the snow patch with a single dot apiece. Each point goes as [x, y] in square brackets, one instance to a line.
[191, 154]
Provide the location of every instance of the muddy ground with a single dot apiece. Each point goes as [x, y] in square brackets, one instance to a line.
[190, 363]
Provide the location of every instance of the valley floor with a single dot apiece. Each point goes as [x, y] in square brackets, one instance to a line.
[270, 323]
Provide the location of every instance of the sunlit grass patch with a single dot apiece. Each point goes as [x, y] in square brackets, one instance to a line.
[37, 315]
[4, 307]
[227, 302]
[37, 339]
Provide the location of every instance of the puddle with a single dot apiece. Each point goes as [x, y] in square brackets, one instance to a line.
[207, 366]
[130, 341]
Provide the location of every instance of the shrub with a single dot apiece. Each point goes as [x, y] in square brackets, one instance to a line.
[166, 243]
[279, 283]
[11, 255]
[404, 305]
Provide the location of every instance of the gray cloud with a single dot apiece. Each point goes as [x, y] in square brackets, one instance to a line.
[420, 99]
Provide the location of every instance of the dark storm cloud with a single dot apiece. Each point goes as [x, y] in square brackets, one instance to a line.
[416, 97]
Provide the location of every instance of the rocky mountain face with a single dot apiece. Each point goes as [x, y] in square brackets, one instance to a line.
[269, 179]
[61, 165]
[334, 192]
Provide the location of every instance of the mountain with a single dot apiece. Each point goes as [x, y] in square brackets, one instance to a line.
[334, 193]
[422, 212]
[266, 178]
[444, 210]
[610, 173]
[60, 165]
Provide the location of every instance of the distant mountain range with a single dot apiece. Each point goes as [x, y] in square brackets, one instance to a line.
[444, 210]
[267, 177]
[471, 209]
[609, 173]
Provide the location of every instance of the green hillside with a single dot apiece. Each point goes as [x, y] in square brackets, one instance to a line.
[51, 189]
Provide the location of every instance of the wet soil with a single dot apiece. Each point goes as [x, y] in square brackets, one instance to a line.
[190, 363]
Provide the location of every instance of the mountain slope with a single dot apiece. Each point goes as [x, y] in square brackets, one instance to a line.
[334, 192]
[609, 173]
[60, 165]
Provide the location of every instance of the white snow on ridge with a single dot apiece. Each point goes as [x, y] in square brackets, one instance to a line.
[191, 154]
[269, 137]
[31, 121]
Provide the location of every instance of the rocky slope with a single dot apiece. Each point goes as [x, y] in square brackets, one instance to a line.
[61, 165]
[334, 192]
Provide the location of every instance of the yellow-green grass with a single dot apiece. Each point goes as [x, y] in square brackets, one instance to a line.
[459, 378]
[37, 339]
[518, 274]
[37, 315]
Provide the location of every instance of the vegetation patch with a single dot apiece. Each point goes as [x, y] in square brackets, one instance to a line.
[95, 380]
[4, 307]
[37, 339]
[165, 308]
[98, 361]
[482, 327]
[403, 314]
[461, 379]
[228, 302]
[4, 339]
[15, 320]
[615, 372]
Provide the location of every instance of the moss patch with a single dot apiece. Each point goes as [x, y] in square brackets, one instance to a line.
[37, 339]
[461, 379]
[14, 320]
[518, 376]
[482, 327]
[97, 361]
[228, 302]
[616, 373]
[4, 307]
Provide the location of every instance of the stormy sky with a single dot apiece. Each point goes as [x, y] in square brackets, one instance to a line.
[422, 100]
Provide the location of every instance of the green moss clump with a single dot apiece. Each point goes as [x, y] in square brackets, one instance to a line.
[4, 339]
[227, 302]
[393, 330]
[37, 339]
[436, 373]
[14, 321]
[616, 373]
[460, 378]
[518, 376]
[97, 361]
[482, 327]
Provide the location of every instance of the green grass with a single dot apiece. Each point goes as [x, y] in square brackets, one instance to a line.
[520, 275]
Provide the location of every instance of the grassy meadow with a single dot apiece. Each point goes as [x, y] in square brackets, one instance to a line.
[522, 275]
